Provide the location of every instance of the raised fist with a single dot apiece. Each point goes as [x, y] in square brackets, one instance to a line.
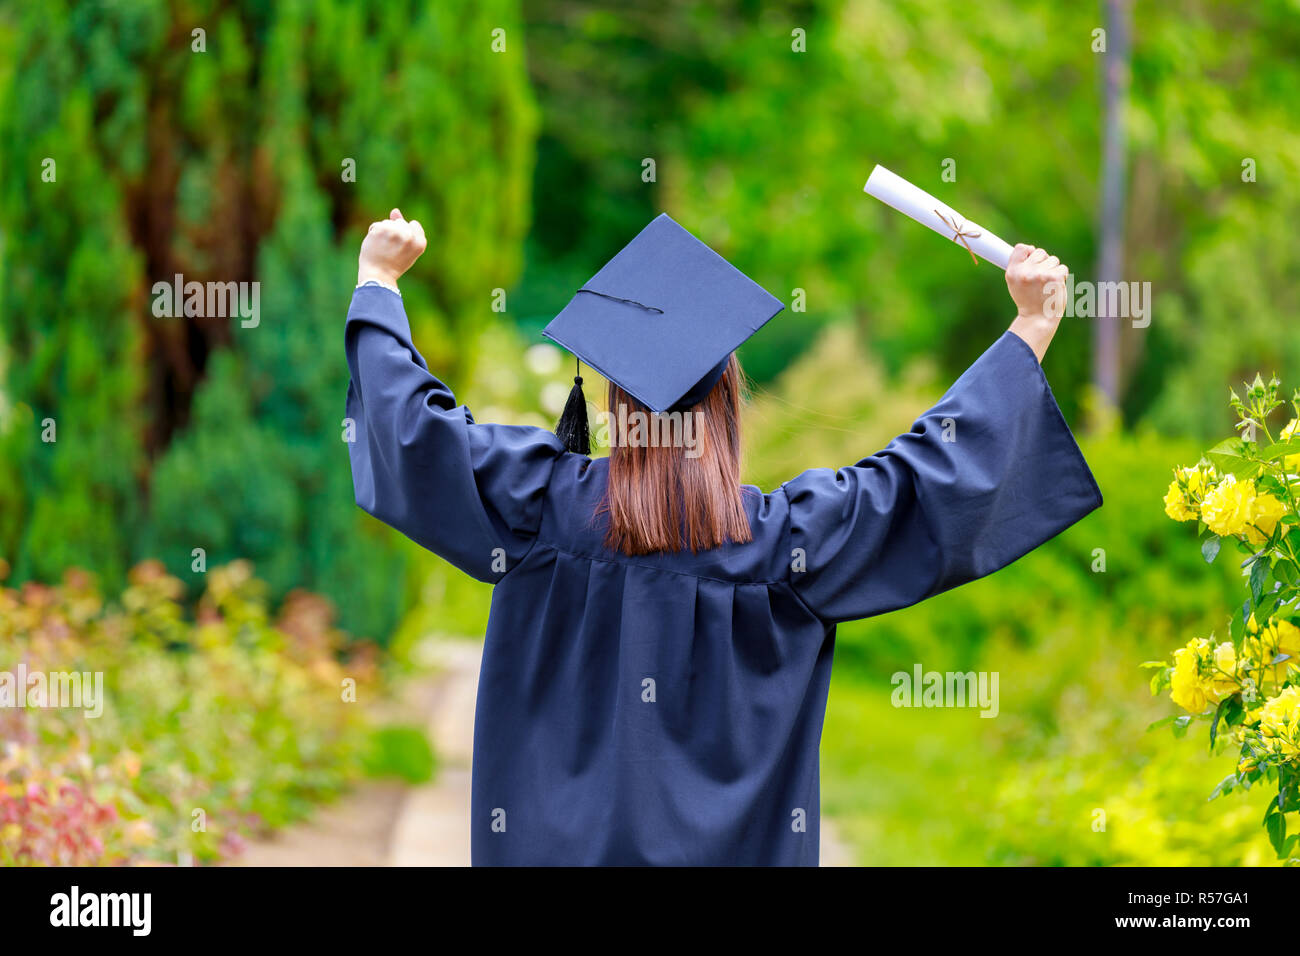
[390, 248]
[1036, 281]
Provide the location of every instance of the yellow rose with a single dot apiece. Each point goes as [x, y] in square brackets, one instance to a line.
[1181, 500]
[1291, 462]
[1288, 639]
[1265, 512]
[1279, 637]
[1186, 687]
[1279, 722]
[1223, 683]
[1227, 508]
[1177, 505]
[1197, 480]
[1285, 639]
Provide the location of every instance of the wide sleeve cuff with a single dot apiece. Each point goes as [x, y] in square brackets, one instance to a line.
[985, 476]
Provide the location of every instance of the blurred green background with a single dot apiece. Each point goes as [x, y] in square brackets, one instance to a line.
[533, 140]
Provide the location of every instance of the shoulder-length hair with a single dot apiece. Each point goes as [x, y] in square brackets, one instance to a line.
[674, 479]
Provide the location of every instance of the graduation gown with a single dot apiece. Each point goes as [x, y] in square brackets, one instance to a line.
[667, 708]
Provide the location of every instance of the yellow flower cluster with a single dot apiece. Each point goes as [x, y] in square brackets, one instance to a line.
[1278, 637]
[1183, 498]
[1260, 673]
[1203, 674]
[1279, 723]
[1235, 507]
[1266, 512]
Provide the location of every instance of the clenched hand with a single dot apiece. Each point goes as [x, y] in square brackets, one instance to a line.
[390, 248]
[1037, 283]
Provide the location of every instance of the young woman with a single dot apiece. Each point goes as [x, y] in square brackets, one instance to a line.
[659, 648]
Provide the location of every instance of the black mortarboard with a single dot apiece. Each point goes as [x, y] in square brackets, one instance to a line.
[660, 320]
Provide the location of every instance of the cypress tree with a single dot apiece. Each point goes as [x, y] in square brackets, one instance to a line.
[234, 143]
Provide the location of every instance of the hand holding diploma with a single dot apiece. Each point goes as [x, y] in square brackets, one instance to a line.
[1035, 278]
[920, 205]
[1037, 283]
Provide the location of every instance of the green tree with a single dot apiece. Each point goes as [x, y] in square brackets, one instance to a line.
[765, 121]
[255, 150]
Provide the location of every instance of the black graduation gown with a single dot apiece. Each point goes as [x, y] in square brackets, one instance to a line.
[667, 709]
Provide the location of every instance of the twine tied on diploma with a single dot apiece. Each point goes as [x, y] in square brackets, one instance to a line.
[959, 234]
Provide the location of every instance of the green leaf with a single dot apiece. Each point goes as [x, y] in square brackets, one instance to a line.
[1224, 786]
[1214, 724]
[1229, 456]
[1210, 548]
[1161, 722]
[1258, 575]
[1275, 824]
[1160, 680]
[1270, 484]
[1236, 627]
[1288, 793]
[1280, 450]
[1230, 447]
[1234, 713]
[1180, 726]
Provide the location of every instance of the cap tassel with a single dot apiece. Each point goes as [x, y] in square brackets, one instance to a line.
[572, 428]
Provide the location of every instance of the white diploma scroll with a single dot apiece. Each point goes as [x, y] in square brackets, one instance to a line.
[920, 205]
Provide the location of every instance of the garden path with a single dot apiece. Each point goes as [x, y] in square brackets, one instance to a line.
[384, 824]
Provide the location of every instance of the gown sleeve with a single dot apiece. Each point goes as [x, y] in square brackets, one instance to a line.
[471, 493]
[984, 477]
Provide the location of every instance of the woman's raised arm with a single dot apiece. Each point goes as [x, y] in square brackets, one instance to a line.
[986, 475]
[469, 492]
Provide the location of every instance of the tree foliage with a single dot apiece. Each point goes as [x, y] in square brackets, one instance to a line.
[762, 148]
[222, 155]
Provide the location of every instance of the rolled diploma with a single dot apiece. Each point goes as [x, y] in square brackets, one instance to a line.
[920, 205]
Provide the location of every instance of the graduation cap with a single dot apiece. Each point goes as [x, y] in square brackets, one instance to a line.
[660, 320]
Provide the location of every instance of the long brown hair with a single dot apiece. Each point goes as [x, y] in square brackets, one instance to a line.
[671, 496]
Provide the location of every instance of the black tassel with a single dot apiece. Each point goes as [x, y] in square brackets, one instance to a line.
[572, 428]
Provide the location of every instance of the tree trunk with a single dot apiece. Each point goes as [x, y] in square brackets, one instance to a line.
[1110, 255]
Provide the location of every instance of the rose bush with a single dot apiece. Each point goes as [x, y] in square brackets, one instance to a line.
[1245, 683]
